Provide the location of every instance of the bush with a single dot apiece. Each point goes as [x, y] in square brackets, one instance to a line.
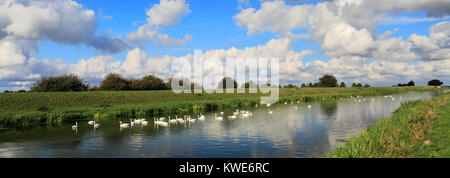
[148, 82]
[225, 81]
[290, 86]
[115, 82]
[435, 83]
[328, 81]
[357, 85]
[68, 82]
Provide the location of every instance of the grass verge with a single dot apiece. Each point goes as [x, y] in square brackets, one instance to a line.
[416, 129]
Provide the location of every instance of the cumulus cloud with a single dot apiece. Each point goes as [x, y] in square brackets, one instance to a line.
[160, 16]
[24, 23]
[345, 27]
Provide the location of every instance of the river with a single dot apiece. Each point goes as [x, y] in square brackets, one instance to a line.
[293, 130]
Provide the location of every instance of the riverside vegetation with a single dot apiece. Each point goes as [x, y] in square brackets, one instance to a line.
[30, 108]
[417, 129]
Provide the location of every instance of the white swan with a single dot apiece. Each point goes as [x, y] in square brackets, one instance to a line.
[91, 122]
[123, 125]
[309, 106]
[131, 122]
[191, 120]
[268, 105]
[172, 121]
[144, 123]
[270, 112]
[137, 121]
[181, 120]
[75, 126]
[221, 113]
[96, 125]
[217, 118]
[201, 118]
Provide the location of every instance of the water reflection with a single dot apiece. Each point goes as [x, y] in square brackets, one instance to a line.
[294, 130]
[329, 109]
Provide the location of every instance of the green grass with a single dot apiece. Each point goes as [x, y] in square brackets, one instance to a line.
[23, 109]
[406, 134]
[439, 137]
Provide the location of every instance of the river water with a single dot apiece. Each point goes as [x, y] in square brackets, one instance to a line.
[293, 130]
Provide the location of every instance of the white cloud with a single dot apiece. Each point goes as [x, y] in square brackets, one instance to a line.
[65, 22]
[167, 12]
[24, 23]
[345, 27]
[344, 39]
[10, 54]
[160, 16]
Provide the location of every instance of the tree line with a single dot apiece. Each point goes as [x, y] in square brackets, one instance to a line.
[116, 82]
[112, 82]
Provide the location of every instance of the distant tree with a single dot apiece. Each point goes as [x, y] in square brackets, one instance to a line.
[94, 88]
[310, 85]
[435, 82]
[357, 85]
[411, 83]
[316, 85]
[249, 84]
[342, 85]
[366, 86]
[115, 82]
[169, 82]
[290, 86]
[303, 85]
[225, 80]
[67, 82]
[7, 91]
[328, 81]
[148, 82]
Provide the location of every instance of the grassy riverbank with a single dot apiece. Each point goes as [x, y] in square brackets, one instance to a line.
[56, 107]
[417, 129]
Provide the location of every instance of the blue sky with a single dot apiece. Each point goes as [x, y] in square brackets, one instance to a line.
[214, 25]
[210, 23]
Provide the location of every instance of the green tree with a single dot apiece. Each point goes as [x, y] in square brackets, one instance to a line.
[328, 81]
[366, 86]
[342, 85]
[249, 84]
[310, 85]
[303, 85]
[227, 80]
[67, 82]
[114, 82]
[435, 82]
[148, 82]
[290, 86]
